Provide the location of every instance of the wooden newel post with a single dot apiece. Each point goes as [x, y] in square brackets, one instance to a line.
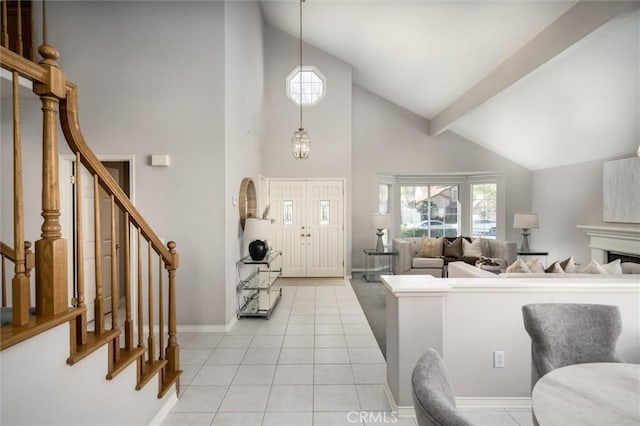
[51, 251]
[173, 349]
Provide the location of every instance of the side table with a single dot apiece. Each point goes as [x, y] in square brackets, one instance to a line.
[532, 254]
[367, 254]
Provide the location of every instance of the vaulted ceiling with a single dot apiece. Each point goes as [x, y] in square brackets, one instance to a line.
[543, 83]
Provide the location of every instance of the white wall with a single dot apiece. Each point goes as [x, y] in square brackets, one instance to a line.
[565, 197]
[389, 139]
[151, 81]
[328, 122]
[244, 111]
[54, 393]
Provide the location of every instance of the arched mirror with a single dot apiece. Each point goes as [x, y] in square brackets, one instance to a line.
[247, 203]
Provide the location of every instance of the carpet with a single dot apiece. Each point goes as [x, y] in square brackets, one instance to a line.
[373, 299]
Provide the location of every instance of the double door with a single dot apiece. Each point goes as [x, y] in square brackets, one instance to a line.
[309, 226]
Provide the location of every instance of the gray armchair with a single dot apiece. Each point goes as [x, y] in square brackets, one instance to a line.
[433, 398]
[567, 333]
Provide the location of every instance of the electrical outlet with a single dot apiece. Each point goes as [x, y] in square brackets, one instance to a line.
[498, 359]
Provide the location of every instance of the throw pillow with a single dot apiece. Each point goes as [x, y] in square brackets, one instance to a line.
[555, 268]
[430, 247]
[473, 249]
[593, 268]
[454, 248]
[535, 265]
[518, 266]
[486, 248]
[568, 265]
[614, 267]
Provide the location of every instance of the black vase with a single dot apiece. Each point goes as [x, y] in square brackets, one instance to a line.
[257, 250]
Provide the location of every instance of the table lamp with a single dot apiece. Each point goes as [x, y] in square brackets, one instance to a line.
[380, 221]
[525, 222]
[257, 231]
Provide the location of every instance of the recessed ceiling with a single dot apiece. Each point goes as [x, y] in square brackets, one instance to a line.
[422, 55]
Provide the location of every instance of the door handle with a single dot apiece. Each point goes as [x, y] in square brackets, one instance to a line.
[308, 235]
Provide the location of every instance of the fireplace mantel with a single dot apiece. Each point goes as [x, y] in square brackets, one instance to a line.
[618, 239]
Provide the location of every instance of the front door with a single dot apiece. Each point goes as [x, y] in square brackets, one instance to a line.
[309, 226]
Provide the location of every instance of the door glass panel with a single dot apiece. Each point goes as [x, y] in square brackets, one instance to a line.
[287, 212]
[325, 208]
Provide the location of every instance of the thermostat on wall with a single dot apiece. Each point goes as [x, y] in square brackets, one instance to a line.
[160, 160]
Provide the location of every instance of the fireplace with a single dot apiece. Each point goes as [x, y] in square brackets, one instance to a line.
[620, 241]
[612, 255]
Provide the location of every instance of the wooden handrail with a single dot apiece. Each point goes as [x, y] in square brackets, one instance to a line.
[77, 143]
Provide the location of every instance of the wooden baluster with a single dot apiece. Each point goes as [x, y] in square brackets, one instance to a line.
[30, 259]
[32, 50]
[99, 301]
[173, 349]
[81, 320]
[128, 323]
[151, 338]
[4, 283]
[140, 311]
[5, 27]
[161, 310]
[20, 288]
[114, 279]
[51, 251]
[19, 49]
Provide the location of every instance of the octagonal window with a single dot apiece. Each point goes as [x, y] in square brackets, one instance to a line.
[306, 85]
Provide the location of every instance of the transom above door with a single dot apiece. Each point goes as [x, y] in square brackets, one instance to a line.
[309, 226]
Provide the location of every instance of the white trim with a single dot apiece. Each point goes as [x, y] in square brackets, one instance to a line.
[164, 410]
[208, 328]
[403, 411]
[505, 403]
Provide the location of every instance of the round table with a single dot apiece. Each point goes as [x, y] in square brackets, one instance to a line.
[588, 394]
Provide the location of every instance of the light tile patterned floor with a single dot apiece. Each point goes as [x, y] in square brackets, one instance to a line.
[315, 362]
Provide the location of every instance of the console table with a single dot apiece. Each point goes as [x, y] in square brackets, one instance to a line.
[368, 254]
[256, 297]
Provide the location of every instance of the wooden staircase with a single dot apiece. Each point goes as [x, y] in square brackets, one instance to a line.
[153, 289]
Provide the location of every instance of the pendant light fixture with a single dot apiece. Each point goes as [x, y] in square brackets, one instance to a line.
[300, 142]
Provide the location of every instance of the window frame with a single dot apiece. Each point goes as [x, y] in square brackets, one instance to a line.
[305, 68]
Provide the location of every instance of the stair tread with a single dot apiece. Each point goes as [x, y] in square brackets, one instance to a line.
[169, 378]
[125, 358]
[37, 324]
[94, 342]
[150, 369]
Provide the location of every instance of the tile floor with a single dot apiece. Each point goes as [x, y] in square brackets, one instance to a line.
[313, 363]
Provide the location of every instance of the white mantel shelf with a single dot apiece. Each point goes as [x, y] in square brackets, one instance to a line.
[620, 239]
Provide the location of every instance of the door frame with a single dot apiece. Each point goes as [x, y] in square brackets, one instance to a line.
[65, 170]
[268, 181]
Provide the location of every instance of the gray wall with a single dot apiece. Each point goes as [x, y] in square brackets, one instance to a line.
[151, 81]
[565, 197]
[389, 139]
[244, 105]
[328, 123]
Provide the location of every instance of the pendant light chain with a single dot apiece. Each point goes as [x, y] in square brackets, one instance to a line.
[300, 79]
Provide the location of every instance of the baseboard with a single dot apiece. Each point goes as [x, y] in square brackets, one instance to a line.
[164, 410]
[505, 403]
[402, 411]
[209, 328]
[494, 402]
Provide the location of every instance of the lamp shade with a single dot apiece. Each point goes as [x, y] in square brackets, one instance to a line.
[525, 221]
[380, 221]
[257, 229]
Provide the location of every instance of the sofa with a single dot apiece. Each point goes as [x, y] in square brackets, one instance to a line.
[464, 270]
[408, 260]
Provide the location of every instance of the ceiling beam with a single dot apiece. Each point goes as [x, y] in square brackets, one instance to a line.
[579, 21]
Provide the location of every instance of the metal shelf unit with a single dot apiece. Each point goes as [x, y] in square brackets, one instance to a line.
[255, 292]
